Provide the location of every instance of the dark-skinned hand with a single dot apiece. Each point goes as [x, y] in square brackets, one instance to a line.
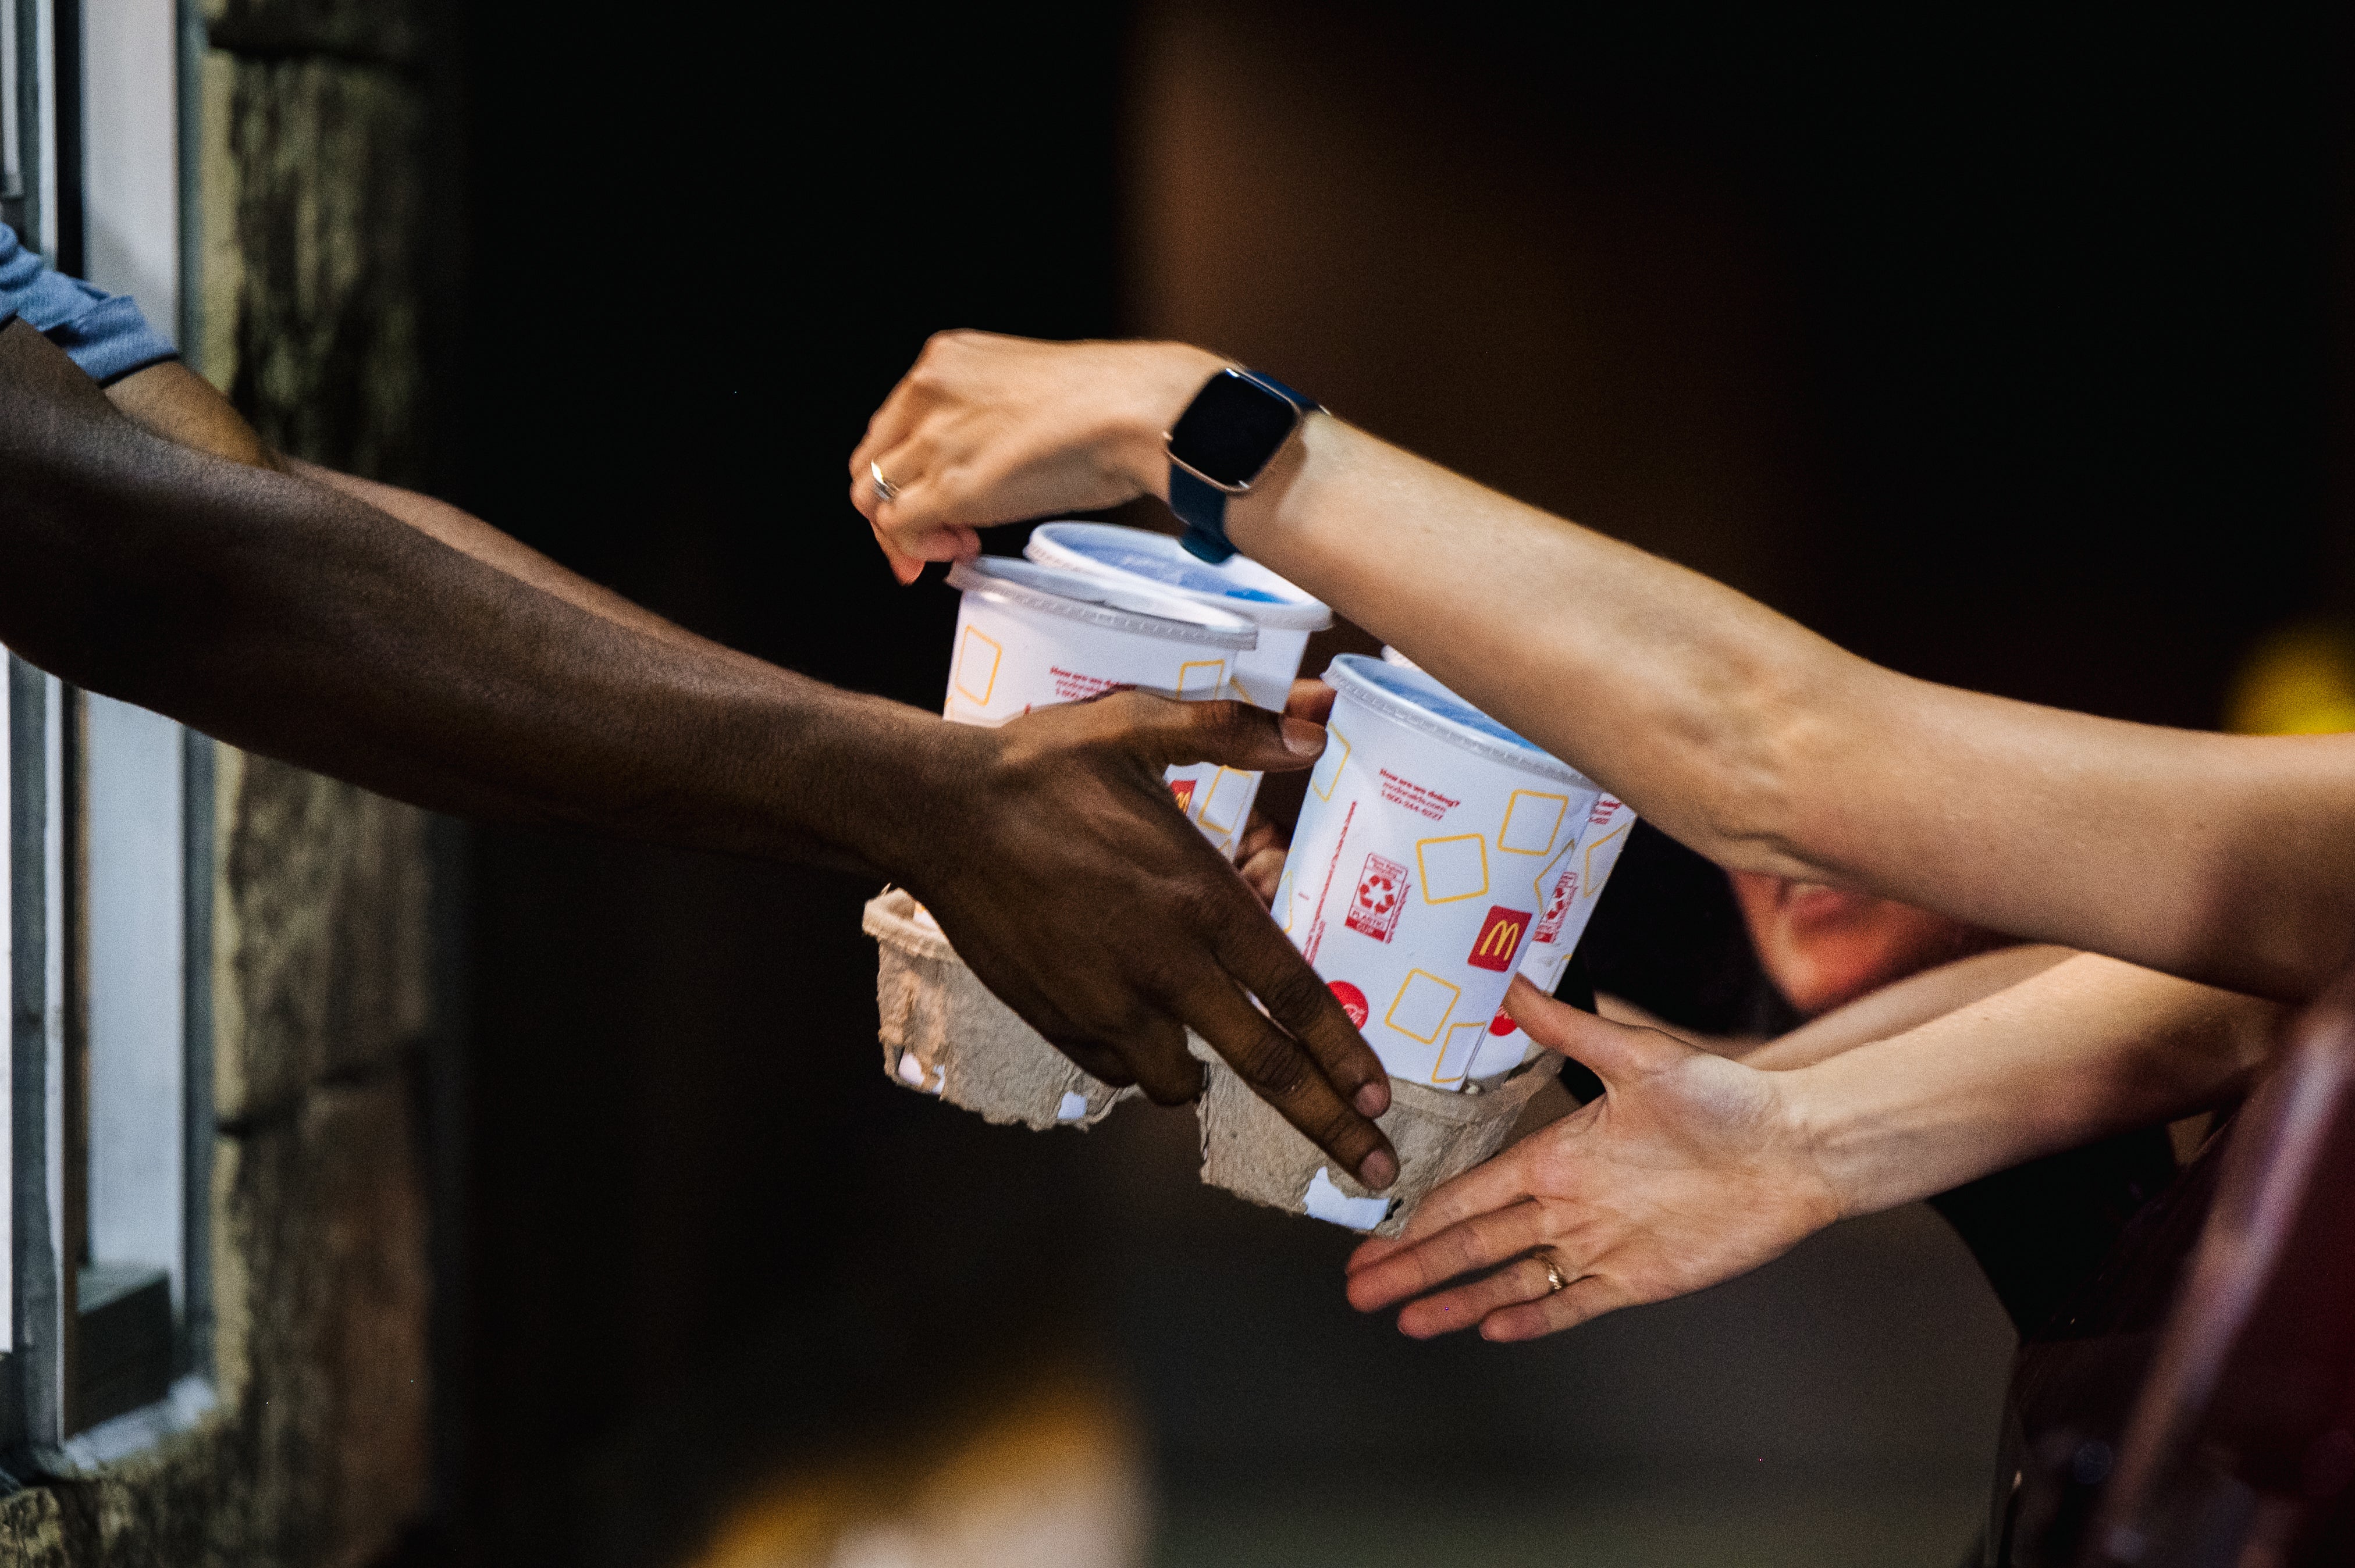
[1067, 877]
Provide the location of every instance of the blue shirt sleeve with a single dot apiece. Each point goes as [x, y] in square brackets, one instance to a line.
[103, 332]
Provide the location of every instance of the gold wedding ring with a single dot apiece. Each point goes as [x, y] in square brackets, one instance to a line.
[884, 489]
[1555, 1279]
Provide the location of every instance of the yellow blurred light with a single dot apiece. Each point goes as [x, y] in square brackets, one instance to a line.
[2298, 680]
[1051, 1473]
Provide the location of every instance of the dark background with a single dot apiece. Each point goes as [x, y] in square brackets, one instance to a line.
[2010, 354]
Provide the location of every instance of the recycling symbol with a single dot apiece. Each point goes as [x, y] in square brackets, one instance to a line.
[1381, 890]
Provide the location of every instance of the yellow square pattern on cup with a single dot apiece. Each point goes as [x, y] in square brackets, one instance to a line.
[1420, 1010]
[1552, 874]
[1220, 814]
[1328, 772]
[1456, 1056]
[1282, 907]
[1198, 680]
[1588, 888]
[977, 661]
[1533, 821]
[1453, 868]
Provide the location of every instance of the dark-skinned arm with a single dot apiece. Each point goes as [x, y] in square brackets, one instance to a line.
[296, 620]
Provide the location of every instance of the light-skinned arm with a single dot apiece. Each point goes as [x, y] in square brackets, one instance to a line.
[2226, 859]
[293, 618]
[1691, 1169]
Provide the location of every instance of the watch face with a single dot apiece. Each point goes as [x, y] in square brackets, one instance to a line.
[1232, 429]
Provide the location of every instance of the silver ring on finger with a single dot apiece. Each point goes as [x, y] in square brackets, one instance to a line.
[1556, 1280]
[885, 490]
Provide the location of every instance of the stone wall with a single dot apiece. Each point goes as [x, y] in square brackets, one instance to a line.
[316, 183]
[314, 295]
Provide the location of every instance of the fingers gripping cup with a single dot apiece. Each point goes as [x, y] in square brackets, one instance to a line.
[1422, 863]
[1218, 799]
[1030, 636]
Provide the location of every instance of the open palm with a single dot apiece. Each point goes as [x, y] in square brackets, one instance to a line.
[1690, 1170]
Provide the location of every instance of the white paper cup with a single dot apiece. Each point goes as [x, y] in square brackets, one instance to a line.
[1568, 888]
[1030, 636]
[1218, 799]
[1412, 884]
[1570, 884]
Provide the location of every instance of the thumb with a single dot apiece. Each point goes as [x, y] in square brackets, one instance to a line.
[1175, 734]
[1614, 1053]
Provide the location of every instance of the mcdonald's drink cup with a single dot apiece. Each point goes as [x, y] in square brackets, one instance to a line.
[1030, 636]
[1429, 843]
[1283, 616]
[1577, 881]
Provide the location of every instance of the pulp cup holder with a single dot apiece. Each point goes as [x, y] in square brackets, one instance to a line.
[1251, 1151]
[943, 1033]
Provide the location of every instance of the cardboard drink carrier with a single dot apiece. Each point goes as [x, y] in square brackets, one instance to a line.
[945, 1034]
[1030, 636]
[1249, 1148]
[1412, 777]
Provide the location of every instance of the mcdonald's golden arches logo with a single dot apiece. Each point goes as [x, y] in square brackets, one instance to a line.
[1499, 941]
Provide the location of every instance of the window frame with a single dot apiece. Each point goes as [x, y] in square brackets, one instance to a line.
[45, 1154]
[38, 1311]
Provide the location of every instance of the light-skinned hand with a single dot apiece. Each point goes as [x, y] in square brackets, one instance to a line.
[986, 430]
[1690, 1170]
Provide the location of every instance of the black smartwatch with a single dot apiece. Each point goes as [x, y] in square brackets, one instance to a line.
[1222, 444]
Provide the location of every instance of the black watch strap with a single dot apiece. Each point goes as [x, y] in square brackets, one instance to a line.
[1201, 505]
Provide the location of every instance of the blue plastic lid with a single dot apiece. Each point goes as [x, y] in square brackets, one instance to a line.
[1414, 698]
[1238, 584]
[1194, 576]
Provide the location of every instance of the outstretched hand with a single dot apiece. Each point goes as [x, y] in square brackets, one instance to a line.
[1690, 1170]
[1066, 876]
[986, 430]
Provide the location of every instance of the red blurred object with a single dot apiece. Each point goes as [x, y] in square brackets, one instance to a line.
[1823, 946]
[2195, 1408]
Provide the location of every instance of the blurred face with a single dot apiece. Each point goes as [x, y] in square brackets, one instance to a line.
[1822, 946]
